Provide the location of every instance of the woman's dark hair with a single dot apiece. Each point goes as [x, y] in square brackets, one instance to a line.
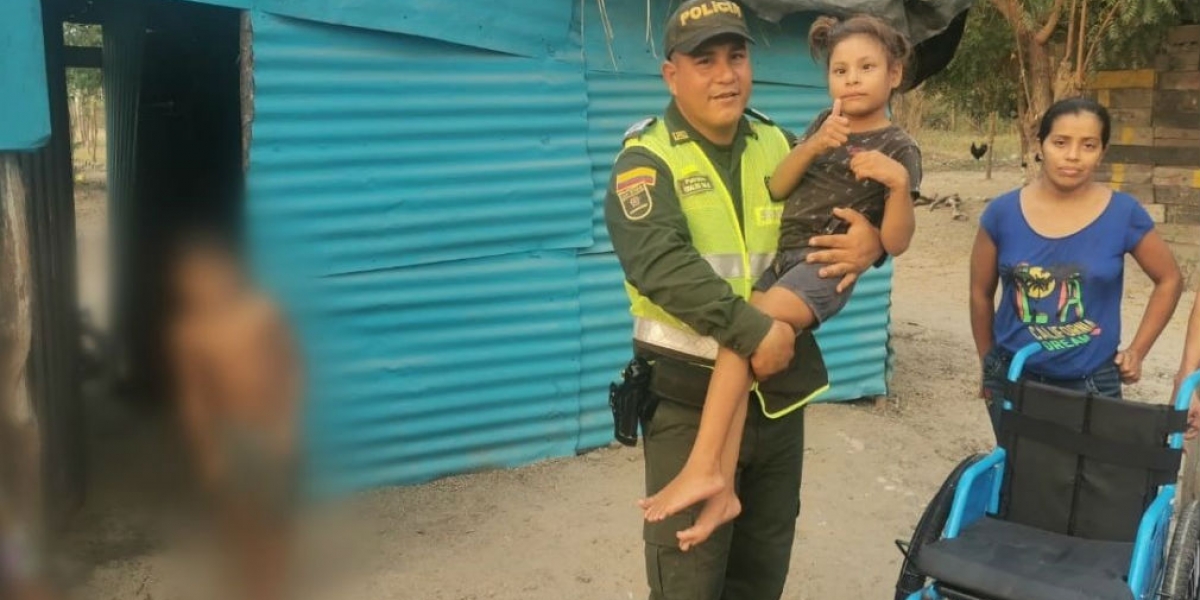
[827, 32]
[1075, 106]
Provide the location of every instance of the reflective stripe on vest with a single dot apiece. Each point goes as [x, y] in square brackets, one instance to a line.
[737, 256]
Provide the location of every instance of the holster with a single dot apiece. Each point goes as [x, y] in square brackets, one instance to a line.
[631, 401]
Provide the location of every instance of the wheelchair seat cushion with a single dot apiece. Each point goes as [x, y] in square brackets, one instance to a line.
[1009, 561]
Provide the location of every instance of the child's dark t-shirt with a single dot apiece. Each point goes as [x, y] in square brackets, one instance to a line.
[829, 183]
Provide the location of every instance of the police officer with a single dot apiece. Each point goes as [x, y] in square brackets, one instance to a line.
[692, 222]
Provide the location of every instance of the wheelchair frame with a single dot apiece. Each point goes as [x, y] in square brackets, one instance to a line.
[978, 490]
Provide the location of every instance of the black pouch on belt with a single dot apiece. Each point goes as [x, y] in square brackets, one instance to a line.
[630, 401]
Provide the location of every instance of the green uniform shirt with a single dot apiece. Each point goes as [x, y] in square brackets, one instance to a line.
[656, 250]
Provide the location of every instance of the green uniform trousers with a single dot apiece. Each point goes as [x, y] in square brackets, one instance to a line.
[744, 560]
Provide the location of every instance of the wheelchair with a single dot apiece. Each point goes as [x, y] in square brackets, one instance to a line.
[1077, 502]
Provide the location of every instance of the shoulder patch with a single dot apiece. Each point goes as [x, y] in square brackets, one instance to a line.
[636, 129]
[759, 115]
[633, 190]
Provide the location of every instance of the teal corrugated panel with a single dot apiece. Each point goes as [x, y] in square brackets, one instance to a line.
[519, 27]
[606, 345]
[426, 371]
[855, 343]
[374, 150]
[635, 46]
[24, 101]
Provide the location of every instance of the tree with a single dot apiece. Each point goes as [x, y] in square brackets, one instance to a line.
[983, 77]
[1059, 43]
[84, 88]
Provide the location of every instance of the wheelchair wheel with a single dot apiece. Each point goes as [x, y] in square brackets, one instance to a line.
[1180, 578]
[929, 529]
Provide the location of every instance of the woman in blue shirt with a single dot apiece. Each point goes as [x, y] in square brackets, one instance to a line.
[1059, 245]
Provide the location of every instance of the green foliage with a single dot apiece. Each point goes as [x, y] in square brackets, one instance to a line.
[1138, 30]
[984, 75]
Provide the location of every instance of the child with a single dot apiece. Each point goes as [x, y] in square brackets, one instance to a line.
[852, 156]
[239, 383]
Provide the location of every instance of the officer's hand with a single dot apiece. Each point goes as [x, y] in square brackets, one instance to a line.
[774, 352]
[847, 254]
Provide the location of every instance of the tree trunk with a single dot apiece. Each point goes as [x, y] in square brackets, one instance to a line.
[1040, 78]
[20, 444]
[991, 144]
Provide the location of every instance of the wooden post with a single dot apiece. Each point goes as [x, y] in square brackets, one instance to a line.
[991, 144]
[20, 444]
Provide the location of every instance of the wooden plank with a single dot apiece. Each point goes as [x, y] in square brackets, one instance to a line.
[1132, 117]
[1163, 156]
[1177, 195]
[1143, 192]
[1110, 80]
[1178, 60]
[1177, 133]
[1179, 80]
[1177, 101]
[1125, 173]
[1182, 236]
[1169, 143]
[1183, 34]
[1177, 176]
[1128, 98]
[1183, 214]
[1176, 119]
[1134, 136]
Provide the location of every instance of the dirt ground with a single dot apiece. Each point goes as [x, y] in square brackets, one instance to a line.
[568, 528]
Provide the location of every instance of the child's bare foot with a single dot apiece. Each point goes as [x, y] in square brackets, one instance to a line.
[719, 510]
[686, 489]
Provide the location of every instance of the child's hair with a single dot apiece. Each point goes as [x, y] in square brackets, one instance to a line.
[1075, 106]
[827, 32]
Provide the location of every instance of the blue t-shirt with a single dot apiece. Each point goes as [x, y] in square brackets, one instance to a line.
[1063, 292]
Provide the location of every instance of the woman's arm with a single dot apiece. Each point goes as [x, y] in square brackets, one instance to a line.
[984, 277]
[1156, 260]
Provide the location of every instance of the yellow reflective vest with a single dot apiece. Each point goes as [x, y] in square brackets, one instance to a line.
[737, 255]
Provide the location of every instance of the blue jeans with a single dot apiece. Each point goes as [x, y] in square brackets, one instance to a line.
[1105, 381]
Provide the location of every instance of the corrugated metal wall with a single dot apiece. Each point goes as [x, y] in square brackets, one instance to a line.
[24, 111]
[430, 212]
[53, 357]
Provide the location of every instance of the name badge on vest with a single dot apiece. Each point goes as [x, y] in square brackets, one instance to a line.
[769, 215]
[695, 184]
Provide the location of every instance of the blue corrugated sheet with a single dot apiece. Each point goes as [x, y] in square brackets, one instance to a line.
[520, 27]
[635, 45]
[24, 100]
[429, 212]
[446, 368]
[606, 325]
[368, 145]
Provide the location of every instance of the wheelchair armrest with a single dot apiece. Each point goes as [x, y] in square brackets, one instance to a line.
[1150, 542]
[977, 493]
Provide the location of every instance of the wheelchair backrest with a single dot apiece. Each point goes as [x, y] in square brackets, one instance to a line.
[1084, 465]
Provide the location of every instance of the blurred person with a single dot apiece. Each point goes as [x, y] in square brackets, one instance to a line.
[239, 383]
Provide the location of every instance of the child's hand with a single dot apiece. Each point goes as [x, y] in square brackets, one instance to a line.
[834, 132]
[873, 164]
